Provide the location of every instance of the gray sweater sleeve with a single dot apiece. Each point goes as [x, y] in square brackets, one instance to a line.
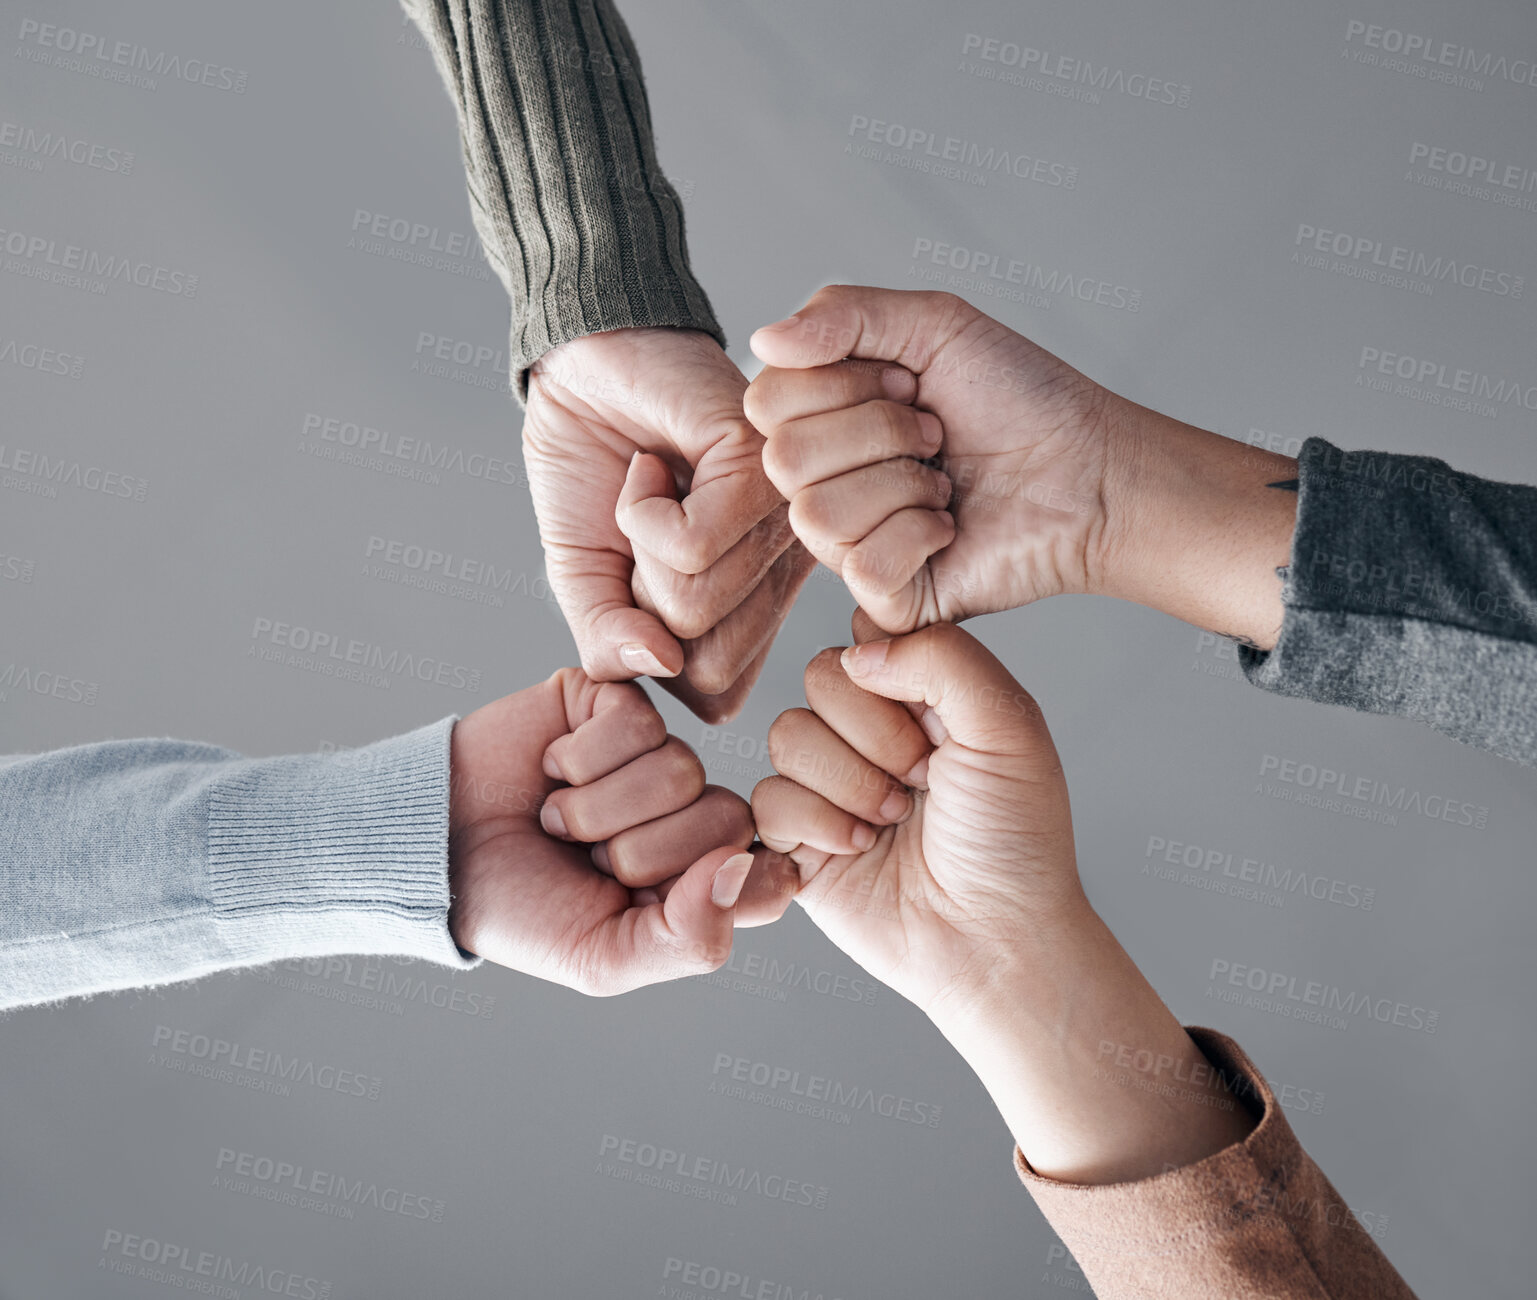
[1412, 589]
[144, 862]
[566, 194]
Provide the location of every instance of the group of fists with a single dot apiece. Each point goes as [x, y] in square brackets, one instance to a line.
[943, 466]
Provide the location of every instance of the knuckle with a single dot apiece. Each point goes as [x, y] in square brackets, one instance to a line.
[784, 458]
[691, 552]
[758, 401]
[685, 767]
[812, 513]
[646, 725]
[709, 674]
[825, 671]
[686, 615]
[784, 735]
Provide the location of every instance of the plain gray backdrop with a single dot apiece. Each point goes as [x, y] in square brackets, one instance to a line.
[493, 1160]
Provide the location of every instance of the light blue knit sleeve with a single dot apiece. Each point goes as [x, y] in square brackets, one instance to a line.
[144, 862]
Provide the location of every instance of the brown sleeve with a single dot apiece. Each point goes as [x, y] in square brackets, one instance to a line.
[1258, 1219]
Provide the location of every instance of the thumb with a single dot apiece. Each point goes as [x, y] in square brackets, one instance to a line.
[689, 931]
[972, 697]
[902, 325]
[730, 494]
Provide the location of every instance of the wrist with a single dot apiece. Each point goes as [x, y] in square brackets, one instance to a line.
[1096, 1079]
[1196, 524]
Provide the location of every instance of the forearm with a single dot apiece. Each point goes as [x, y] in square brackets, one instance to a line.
[1199, 524]
[1159, 1155]
[1096, 1079]
[568, 198]
[137, 863]
[1381, 582]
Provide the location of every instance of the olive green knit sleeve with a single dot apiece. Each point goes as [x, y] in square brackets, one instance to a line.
[565, 190]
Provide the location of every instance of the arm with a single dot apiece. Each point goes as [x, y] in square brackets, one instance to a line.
[136, 863]
[1166, 1169]
[559, 831]
[566, 193]
[1387, 583]
[665, 545]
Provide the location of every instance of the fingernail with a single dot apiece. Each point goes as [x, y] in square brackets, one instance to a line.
[898, 384]
[788, 323]
[933, 728]
[551, 767]
[864, 660]
[894, 807]
[730, 876]
[932, 429]
[644, 897]
[863, 837]
[600, 858]
[919, 776]
[638, 659]
[552, 821]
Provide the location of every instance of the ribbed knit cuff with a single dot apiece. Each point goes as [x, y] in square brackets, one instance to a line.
[568, 198]
[337, 853]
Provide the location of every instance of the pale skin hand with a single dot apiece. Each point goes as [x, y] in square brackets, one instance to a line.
[691, 591]
[963, 894]
[1046, 482]
[643, 874]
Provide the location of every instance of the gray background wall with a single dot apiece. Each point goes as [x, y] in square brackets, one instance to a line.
[492, 1109]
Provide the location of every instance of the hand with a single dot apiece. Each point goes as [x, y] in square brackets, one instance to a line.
[1043, 481]
[1015, 511]
[937, 851]
[585, 846]
[692, 592]
[931, 840]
